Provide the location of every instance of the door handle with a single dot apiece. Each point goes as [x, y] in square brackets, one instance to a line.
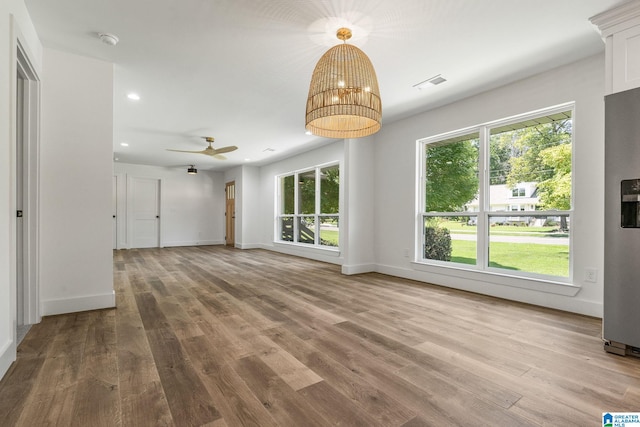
[157, 216]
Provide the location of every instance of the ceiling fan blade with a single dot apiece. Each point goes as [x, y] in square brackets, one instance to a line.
[185, 151]
[210, 151]
[214, 153]
[227, 149]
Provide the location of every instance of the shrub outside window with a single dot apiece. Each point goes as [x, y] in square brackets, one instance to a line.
[469, 219]
[308, 203]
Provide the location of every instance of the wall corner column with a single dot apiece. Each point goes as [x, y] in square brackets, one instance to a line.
[357, 230]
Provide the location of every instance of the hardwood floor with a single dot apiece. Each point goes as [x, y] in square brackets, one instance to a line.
[222, 337]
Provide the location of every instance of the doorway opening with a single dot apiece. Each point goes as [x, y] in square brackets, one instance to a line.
[26, 193]
[230, 213]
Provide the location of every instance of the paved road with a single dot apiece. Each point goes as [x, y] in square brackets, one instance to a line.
[517, 239]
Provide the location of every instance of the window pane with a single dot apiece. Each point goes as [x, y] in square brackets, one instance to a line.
[329, 230]
[286, 229]
[306, 230]
[287, 195]
[329, 190]
[533, 244]
[532, 161]
[307, 192]
[451, 174]
[451, 239]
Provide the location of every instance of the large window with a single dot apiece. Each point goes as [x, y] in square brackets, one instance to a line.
[309, 206]
[515, 216]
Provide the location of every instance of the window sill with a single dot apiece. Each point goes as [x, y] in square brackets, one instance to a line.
[498, 278]
[320, 250]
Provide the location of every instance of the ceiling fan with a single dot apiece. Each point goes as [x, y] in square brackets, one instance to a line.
[210, 151]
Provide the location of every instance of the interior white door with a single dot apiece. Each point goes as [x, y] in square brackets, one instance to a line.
[145, 212]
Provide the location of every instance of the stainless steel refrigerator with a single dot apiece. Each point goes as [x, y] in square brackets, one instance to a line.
[621, 317]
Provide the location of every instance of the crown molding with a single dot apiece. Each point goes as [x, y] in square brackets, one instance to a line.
[617, 19]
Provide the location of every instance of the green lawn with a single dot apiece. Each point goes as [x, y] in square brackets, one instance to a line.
[533, 258]
[330, 236]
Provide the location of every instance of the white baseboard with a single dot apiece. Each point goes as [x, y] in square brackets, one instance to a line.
[358, 269]
[193, 243]
[486, 287]
[75, 304]
[7, 357]
[328, 256]
[249, 245]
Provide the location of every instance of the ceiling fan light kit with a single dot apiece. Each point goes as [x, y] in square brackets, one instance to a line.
[344, 99]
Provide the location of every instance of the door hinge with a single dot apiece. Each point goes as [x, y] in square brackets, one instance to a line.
[19, 214]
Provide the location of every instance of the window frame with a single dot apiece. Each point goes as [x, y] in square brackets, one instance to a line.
[296, 217]
[483, 214]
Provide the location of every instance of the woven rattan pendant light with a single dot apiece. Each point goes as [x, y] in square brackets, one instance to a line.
[344, 99]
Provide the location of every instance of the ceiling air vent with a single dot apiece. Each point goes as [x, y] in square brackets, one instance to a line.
[433, 81]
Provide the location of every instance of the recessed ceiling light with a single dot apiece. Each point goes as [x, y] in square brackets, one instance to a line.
[133, 96]
[247, 160]
[433, 81]
[124, 144]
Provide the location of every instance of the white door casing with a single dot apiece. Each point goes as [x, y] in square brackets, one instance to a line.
[114, 211]
[20, 196]
[27, 184]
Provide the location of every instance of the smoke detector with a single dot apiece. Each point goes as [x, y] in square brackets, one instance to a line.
[110, 39]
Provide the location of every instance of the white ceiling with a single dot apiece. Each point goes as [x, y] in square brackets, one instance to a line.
[239, 70]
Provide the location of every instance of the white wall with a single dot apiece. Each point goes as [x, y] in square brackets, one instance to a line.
[15, 24]
[395, 182]
[250, 207]
[76, 173]
[333, 152]
[247, 205]
[191, 206]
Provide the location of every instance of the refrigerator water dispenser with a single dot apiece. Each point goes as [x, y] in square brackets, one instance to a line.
[630, 203]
